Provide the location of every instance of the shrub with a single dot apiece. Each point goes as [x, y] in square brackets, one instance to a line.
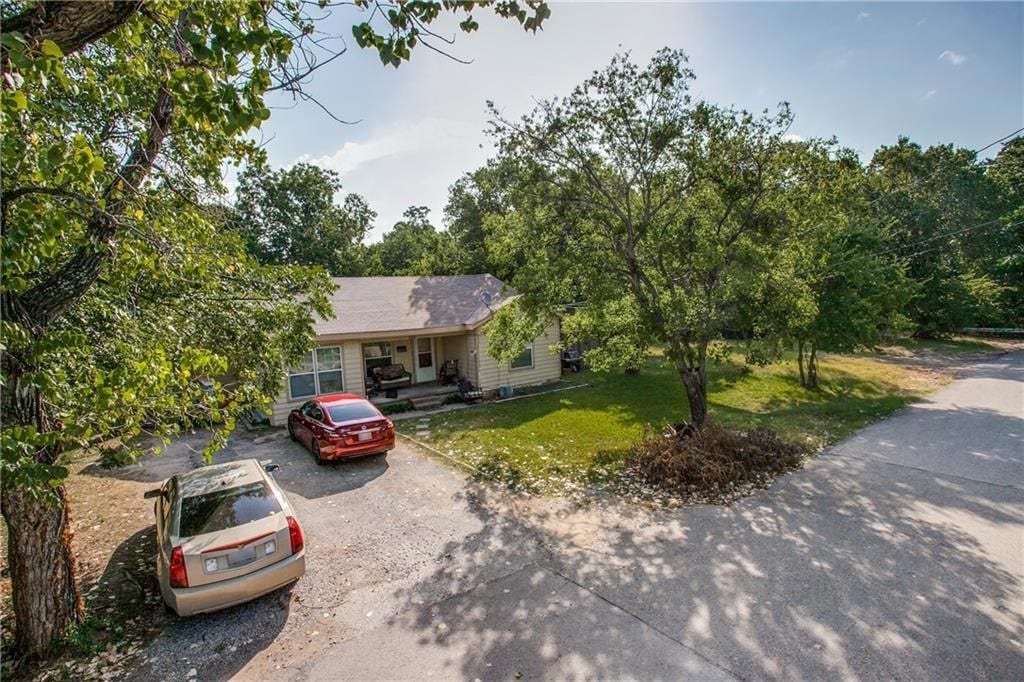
[395, 408]
[714, 464]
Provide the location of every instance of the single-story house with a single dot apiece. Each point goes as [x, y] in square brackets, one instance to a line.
[420, 323]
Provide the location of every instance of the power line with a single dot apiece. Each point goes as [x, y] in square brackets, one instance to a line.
[936, 172]
[979, 226]
[993, 144]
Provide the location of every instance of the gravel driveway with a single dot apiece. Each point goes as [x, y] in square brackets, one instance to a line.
[896, 555]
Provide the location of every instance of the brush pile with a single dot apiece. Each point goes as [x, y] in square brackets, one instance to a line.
[712, 464]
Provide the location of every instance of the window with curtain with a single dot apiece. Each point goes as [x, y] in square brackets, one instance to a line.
[318, 373]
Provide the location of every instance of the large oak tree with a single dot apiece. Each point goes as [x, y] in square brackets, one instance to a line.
[119, 286]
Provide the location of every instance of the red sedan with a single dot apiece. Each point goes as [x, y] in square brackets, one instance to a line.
[339, 426]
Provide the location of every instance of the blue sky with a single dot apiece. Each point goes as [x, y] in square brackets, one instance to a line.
[937, 72]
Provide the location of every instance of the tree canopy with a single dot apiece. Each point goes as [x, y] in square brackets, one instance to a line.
[289, 216]
[663, 210]
[940, 210]
[413, 247]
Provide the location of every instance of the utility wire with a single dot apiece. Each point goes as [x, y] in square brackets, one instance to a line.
[993, 144]
[917, 183]
[990, 223]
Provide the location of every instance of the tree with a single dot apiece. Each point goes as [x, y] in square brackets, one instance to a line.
[630, 190]
[835, 286]
[941, 214]
[116, 119]
[289, 216]
[414, 247]
[475, 202]
[1007, 264]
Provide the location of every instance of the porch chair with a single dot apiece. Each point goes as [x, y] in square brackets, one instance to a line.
[449, 373]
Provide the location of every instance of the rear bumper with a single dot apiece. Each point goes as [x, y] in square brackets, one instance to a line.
[189, 601]
[336, 452]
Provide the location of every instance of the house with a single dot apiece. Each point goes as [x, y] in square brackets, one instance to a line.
[418, 322]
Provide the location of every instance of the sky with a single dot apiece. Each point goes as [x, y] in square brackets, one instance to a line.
[864, 73]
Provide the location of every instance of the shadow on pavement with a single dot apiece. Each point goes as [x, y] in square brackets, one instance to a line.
[848, 569]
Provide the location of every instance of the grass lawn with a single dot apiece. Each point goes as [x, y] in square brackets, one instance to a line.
[558, 441]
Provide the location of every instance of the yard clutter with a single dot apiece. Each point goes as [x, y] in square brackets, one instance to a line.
[711, 464]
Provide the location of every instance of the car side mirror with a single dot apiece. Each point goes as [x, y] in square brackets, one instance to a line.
[295, 411]
[150, 494]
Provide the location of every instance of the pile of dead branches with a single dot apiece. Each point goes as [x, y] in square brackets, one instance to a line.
[713, 463]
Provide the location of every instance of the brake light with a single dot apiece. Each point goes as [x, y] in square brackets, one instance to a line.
[295, 534]
[388, 424]
[178, 574]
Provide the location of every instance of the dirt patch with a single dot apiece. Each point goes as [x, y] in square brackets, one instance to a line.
[953, 357]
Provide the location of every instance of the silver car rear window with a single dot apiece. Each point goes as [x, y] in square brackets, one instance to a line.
[221, 509]
[349, 411]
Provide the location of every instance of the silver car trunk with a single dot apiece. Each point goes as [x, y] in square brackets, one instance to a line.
[236, 551]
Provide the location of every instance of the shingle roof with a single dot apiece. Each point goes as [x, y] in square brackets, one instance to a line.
[369, 305]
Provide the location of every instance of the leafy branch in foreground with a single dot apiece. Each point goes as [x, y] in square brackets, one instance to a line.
[121, 286]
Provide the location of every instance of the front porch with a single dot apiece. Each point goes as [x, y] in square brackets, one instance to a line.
[416, 393]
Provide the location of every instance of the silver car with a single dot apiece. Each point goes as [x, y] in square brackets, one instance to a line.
[225, 534]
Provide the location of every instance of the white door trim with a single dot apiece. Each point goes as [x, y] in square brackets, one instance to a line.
[424, 374]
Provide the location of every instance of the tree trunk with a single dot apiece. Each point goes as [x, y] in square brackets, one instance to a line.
[71, 24]
[44, 585]
[695, 383]
[43, 581]
[800, 362]
[812, 368]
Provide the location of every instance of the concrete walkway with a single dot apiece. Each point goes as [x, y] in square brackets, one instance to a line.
[898, 555]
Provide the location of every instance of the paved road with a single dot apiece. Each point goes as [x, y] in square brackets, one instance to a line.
[897, 555]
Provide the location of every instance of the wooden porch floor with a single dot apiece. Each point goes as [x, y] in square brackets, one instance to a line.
[424, 390]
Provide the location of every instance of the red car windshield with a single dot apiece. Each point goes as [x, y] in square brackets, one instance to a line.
[346, 412]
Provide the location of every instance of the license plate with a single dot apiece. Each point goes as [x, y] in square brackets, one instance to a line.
[242, 556]
[365, 435]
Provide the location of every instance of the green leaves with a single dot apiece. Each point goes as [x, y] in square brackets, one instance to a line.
[510, 330]
[394, 32]
[50, 49]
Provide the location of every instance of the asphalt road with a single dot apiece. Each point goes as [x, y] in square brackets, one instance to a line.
[899, 554]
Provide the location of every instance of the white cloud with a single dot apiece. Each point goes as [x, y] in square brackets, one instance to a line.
[419, 136]
[953, 57]
[863, 16]
[406, 164]
[921, 22]
[931, 93]
[792, 137]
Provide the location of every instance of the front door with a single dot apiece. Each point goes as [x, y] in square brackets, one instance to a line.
[425, 370]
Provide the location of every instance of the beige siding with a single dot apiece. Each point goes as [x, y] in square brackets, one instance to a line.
[405, 358]
[478, 367]
[455, 348]
[352, 381]
[547, 364]
[352, 361]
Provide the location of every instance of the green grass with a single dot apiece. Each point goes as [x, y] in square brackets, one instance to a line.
[552, 442]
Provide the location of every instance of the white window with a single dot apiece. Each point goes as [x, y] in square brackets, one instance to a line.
[376, 355]
[525, 359]
[319, 372]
